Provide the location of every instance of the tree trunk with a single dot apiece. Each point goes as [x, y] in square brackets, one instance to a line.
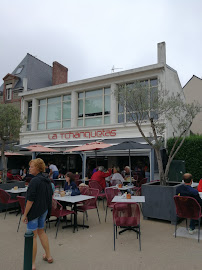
[4, 163]
[160, 166]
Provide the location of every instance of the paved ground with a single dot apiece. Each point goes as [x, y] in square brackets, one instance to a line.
[92, 249]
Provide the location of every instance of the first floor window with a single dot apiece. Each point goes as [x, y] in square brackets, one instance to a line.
[94, 107]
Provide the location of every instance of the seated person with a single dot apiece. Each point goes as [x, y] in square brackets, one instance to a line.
[117, 175]
[70, 184]
[100, 176]
[126, 173]
[23, 172]
[9, 175]
[187, 190]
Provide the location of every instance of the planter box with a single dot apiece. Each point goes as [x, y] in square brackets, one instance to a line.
[159, 202]
[6, 186]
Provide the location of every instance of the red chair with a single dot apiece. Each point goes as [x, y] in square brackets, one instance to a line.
[17, 177]
[58, 212]
[21, 200]
[115, 182]
[127, 215]
[96, 185]
[76, 176]
[5, 198]
[187, 207]
[110, 193]
[139, 184]
[89, 204]
[83, 189]
[78, 182]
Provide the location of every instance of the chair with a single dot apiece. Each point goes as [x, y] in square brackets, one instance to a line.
[5, 198]
[110, 193]
[78, 182]
[139, 184]
[17, 178]
[21, 200]
[127, 215]
[115, 182]
[89, 204]
[187, 207]
[76, 176]
[96, 185]
[83, 189]
[58, 212]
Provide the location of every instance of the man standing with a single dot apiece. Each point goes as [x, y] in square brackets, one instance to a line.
[187, 190]
[54, 173]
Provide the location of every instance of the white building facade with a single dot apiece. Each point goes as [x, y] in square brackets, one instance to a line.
[87, 109]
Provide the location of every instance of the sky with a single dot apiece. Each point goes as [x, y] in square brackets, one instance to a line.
[91, 36]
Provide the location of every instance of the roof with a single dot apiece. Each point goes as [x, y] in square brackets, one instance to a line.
[194, 76]
[38, 73]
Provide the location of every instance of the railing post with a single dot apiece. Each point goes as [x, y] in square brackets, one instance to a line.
[28, 248]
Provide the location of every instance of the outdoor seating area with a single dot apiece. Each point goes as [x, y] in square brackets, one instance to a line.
[159, 247]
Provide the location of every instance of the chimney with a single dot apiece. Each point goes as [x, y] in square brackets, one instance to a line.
[162, 53]
[59, 75]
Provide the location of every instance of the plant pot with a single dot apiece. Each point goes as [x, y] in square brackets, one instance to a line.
[159, 202]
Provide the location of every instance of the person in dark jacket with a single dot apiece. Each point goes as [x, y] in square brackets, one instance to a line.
[187, 190]
[70, 184]
[38, 205]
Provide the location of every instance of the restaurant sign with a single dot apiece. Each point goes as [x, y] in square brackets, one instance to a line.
[83, 134]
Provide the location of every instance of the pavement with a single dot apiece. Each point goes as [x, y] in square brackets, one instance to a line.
[92, 249]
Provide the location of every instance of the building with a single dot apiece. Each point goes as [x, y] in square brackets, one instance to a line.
[193, 92]
[70, 114]
[30, 74]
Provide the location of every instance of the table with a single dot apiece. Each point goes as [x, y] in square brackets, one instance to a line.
[16, 191]
[74, 200]
[194, 184]
[200, 194]
[124, 188]
[134, 199]
[62, 180]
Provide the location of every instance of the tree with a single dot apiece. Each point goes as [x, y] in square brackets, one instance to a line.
[157, 107]
[10, 124]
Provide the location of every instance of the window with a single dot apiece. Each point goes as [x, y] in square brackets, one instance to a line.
[54, 113]
[94, 107]
[150, 87]
[19, 69]
[29, 116]
[8, 91]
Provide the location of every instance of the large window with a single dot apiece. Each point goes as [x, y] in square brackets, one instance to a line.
[150, 86]
[29, 116]
[94, 107]
[54, 113]
[8, 91]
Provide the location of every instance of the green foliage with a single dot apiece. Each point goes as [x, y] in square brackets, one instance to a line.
[10, 122]
[191, 153]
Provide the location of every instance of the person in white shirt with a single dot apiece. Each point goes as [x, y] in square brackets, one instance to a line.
[53, 170]
[117, 175]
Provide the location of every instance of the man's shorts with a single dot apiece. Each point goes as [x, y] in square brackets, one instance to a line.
[37, 223]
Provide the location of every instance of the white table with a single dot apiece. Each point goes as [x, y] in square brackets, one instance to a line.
[74, 200]
[124, 188]
[16, 191]
[135, 199]
[200, 194]
[194, 184]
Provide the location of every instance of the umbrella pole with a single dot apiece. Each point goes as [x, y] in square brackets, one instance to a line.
[96, 158]
[130, 165]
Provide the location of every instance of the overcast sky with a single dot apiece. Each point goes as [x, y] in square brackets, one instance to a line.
[91, 36]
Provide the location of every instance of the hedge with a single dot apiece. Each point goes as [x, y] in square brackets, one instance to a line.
[191, 153]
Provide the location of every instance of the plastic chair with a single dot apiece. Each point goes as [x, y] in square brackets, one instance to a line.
[110, 193]
[5, 198]
[17, 177]
[89, 204]
[115, 182]
[83, 189]
[96, 185]
[139, 184]
[58, 212]
[187, 207]
[127, 215]
[21, 200]
[78, 182]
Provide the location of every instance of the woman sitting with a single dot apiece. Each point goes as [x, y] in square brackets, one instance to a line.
[70, 184]
[117, 175]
